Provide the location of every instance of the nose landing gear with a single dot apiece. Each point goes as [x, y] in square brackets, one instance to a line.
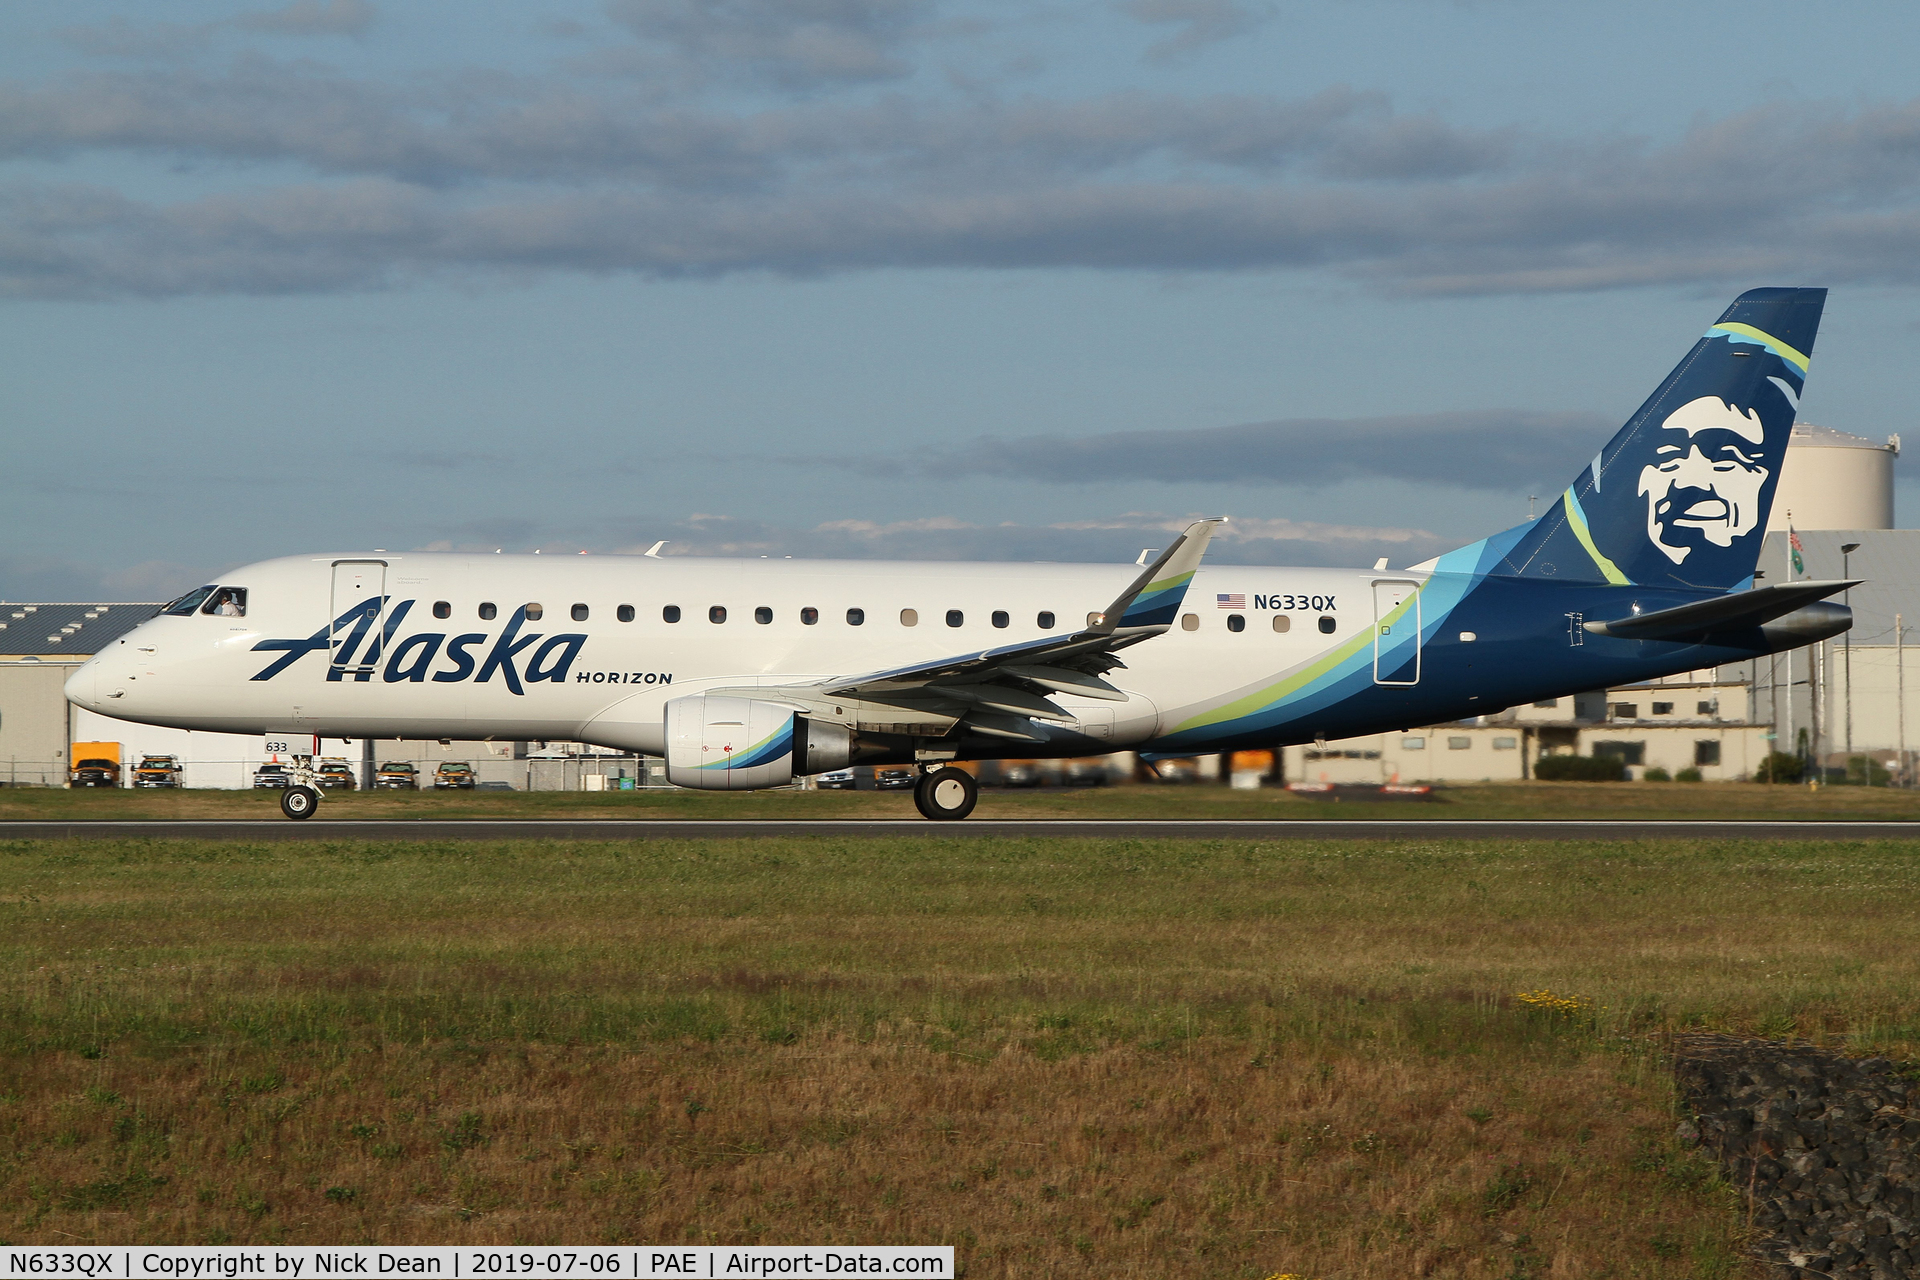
[299, 801]
[945, 794]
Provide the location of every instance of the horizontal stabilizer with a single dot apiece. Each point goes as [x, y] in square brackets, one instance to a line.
[1732, 612]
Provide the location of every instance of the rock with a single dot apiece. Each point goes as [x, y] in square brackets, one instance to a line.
[1823, 1143]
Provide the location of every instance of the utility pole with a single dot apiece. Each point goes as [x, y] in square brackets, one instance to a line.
[1900, 684]
[1846, 652]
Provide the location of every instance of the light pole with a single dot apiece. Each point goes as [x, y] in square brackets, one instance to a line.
[1846, 657]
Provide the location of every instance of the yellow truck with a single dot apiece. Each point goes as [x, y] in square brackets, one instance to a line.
[93, 764]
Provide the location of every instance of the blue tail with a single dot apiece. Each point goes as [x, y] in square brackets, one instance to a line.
[1680, 497]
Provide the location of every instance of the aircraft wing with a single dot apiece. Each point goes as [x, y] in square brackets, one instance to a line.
[1001, 692]
[1733, 611]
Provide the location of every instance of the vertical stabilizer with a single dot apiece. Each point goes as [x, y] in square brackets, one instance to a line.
[1680, 496]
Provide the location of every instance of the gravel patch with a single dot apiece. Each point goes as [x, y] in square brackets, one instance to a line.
[1823, 1146]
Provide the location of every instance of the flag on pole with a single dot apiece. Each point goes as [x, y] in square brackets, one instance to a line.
[1793, 540]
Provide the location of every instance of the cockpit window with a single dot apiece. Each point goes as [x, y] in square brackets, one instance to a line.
[227, 602]
[186, 604]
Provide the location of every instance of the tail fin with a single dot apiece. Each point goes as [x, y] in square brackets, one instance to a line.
[1680, 497]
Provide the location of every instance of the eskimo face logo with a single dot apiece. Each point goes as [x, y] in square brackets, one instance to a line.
[1704, 483]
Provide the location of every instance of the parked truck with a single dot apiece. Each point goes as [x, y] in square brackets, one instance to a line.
[93, 764]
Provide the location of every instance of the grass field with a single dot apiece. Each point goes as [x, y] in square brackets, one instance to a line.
[1067, 1058]
[1652, 800]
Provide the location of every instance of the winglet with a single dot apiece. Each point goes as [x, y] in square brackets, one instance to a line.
[1152, 600]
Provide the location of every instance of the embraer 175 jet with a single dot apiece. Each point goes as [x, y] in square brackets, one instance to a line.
[747, 673]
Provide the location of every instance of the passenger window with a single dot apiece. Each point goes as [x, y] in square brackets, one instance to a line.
[1000, 618]
[579, 613]
[809, 616]
[763, 615]
[1236, 622]
[535, 613]
[227, 602]
[1045, 620]
[186, 604]
[670, 614]
[624, 613]
[1282, 623]
[1326, 626]
[717, 614]
[1189, 622]
[856, 616]
[955, 618]
[488, 612]
[441, 609]
[909, 617]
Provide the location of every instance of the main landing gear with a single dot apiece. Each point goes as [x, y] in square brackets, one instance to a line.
[945, 794]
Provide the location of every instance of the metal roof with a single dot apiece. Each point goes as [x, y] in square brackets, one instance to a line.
[66, 630]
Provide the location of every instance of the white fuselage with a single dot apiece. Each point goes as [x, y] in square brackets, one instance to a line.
[430, 677]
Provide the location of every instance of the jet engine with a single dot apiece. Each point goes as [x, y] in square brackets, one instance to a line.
[721, 743]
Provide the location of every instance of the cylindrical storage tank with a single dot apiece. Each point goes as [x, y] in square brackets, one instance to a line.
[1833, 480]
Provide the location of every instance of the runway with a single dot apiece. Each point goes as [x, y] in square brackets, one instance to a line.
[1116, 829]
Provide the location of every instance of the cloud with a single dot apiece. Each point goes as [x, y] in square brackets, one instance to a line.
[311, 18]
[1115, 540]
[794, 44]
[49, 579]
[1201, 23]
[470, 177]
[1503, 450]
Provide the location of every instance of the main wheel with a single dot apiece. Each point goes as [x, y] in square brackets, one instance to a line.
[945, 793]
[299, 802]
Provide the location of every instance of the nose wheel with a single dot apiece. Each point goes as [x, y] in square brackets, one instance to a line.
[299, 802]
[945, 794]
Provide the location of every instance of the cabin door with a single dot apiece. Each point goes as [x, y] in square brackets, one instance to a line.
[359, 595]
[1396, 632]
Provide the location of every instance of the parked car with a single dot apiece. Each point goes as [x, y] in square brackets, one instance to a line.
[837, 780]
[493, 786]
[94, 771]
[893, 780]
[1086, 773]
[1020, 775]
[157, 771]
[453, 773]
[336, 775]
[270, 775]
[397, 774]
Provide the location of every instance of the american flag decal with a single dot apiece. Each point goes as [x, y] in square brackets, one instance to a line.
[1232, 602]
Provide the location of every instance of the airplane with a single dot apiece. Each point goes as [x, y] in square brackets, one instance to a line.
[746, 674]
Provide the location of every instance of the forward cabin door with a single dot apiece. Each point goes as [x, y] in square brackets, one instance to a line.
[359, 596]
[1396, 632]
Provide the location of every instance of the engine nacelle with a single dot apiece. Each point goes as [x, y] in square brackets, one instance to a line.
[721, 743]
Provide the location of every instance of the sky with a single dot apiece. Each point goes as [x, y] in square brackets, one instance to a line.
[900, 278]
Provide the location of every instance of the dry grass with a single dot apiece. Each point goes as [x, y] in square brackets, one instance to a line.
[1065, 1057]
[1651, 800]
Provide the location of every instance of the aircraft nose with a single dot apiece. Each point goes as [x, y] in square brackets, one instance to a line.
[81, 686]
